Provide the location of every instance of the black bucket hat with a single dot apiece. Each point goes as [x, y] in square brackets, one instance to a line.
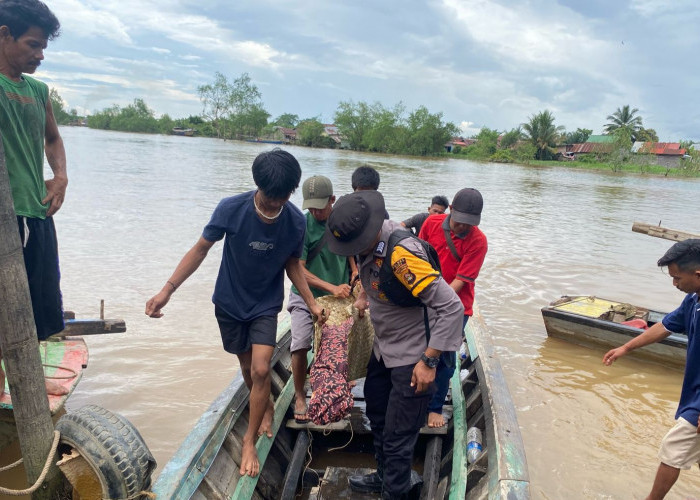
[355, 222]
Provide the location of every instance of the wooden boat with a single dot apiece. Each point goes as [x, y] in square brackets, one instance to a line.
[206, 464]
[265, 141]
[596, 322]
[188, 132]
[64, 356]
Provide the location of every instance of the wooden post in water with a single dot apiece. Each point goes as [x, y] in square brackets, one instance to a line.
[18, 342]
[662, 232]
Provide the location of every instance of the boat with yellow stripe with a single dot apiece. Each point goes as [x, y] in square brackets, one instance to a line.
[603, 323]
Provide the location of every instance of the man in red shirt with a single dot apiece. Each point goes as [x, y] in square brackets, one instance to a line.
[461, 247]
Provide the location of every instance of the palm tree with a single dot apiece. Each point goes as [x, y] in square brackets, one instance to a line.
[543, 134]
[623, 120]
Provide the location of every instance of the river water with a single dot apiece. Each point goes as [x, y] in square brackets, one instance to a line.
[136, 203]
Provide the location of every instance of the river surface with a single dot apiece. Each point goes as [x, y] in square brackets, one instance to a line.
[137, 203]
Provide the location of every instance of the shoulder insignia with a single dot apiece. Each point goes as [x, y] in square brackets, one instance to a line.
[380, 247]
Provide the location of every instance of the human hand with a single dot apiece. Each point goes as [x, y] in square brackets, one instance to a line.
[341, 291]
[55, 194]
[318, 314]
[422, 377]
[361, 304]
[613, 354]
[156, 303]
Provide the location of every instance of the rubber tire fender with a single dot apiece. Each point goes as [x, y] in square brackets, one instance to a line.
[112, 446]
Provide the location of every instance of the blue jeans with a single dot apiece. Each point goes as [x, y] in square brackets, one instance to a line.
[443, 374]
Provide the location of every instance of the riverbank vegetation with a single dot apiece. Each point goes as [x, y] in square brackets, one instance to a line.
[235, 110]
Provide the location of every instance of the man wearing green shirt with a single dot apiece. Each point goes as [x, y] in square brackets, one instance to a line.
[29, 131]
[326, 273]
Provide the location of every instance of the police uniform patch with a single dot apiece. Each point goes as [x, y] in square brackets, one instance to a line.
[375, 285]
[380, 247]
[409, 277]
[378, 262]
[382, 296]
[400, 266]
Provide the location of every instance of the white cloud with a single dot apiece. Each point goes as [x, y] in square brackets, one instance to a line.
[83, 20]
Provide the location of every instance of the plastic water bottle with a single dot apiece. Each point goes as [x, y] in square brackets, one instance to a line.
[463, 351]
[473, 444]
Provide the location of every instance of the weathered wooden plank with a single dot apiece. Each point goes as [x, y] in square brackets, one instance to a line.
[75, 327]
[662, 232]
[291, 478]
[458, 480]
[431, 468]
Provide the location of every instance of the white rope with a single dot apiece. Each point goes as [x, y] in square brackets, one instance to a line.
[42, 476]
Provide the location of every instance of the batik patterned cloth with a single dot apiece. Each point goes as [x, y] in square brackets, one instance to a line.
[331, 398]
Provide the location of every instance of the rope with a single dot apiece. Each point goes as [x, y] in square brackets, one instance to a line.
[352, 434]
[42, 476]
[60, 367]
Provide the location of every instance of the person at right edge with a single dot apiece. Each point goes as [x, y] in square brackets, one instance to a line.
[408, 339]
[680, 447]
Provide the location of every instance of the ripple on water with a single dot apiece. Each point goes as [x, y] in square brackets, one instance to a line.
[136, 203]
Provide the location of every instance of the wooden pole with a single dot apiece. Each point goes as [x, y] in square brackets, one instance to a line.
[18, 342]
[662, 232]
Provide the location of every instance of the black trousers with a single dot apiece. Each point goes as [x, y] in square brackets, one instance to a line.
[396, 414]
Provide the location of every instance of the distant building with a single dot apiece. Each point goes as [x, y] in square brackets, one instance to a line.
[458, 141]
[330, 130]
[289, 135]
[666, 154]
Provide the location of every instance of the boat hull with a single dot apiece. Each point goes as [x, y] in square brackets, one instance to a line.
[584, 329]
[64, 360]
[206, 464]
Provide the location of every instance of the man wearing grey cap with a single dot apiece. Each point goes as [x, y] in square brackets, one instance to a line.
[326, 274]
[461, 247]
[416, 316]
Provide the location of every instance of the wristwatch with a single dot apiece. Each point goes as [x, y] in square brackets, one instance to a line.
[431, 362]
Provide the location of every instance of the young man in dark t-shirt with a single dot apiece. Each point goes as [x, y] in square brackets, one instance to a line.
[264, 237]
[680, 447]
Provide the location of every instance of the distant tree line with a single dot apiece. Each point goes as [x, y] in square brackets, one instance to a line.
[234, 110]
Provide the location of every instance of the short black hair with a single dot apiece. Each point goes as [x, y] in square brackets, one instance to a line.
[276, 173]
[20, 15]
[365, 177]
[440, 200]
[685, 254]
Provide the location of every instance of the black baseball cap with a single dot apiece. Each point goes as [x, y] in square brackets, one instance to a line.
[466, 207]
[355, 222]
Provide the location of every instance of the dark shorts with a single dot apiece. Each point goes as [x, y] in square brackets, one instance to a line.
[41, 260]
[239, 336]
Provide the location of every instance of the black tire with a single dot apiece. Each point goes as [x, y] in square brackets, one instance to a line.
[112, 446]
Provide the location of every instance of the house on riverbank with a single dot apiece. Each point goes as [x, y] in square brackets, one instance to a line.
[665, 154]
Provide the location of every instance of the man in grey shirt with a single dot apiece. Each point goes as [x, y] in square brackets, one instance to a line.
[400, 374]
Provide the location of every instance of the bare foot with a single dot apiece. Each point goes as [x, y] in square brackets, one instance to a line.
[250, 466]
[266, 424]
[435, 420]
[54, 389]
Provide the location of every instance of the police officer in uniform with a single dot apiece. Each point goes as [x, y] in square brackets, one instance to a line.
[416, 316]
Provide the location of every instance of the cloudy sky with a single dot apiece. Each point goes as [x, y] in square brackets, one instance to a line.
[487, 63]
